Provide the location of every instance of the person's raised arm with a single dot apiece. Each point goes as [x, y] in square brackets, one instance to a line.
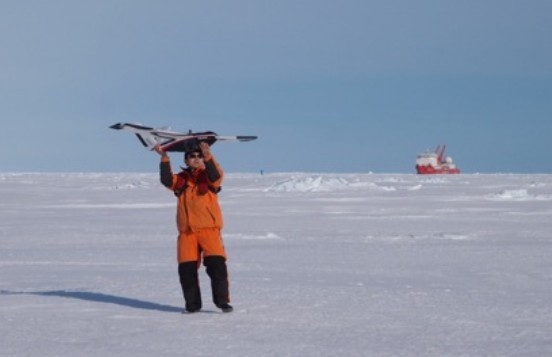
[214, 172]
[165, 171]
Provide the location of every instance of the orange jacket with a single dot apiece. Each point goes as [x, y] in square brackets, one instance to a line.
[196, 191]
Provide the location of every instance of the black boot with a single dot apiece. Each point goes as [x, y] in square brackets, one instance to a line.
[190, 285]
[226, 307]
[216, 269]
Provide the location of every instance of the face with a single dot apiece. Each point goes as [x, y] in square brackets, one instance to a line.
[194, 160]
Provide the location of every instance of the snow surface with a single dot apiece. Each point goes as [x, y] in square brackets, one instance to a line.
[320, 265]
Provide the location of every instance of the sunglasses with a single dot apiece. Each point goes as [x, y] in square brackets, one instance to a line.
[195, 156]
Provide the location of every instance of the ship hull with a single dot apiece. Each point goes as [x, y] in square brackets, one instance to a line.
[430, 170]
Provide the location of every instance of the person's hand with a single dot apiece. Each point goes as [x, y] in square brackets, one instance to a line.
[205, 150]
[160, 150]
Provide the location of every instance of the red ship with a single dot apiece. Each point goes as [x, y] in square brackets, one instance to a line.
[430, 163]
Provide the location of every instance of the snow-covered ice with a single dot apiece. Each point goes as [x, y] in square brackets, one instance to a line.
[320, 265]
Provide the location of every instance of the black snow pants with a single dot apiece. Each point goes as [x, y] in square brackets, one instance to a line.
[216, 270]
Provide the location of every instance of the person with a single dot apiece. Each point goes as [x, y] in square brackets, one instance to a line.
[199, 222]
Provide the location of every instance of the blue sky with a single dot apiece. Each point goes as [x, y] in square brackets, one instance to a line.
[328, 86]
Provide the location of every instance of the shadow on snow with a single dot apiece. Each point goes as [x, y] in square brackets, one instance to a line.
[99, 297]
